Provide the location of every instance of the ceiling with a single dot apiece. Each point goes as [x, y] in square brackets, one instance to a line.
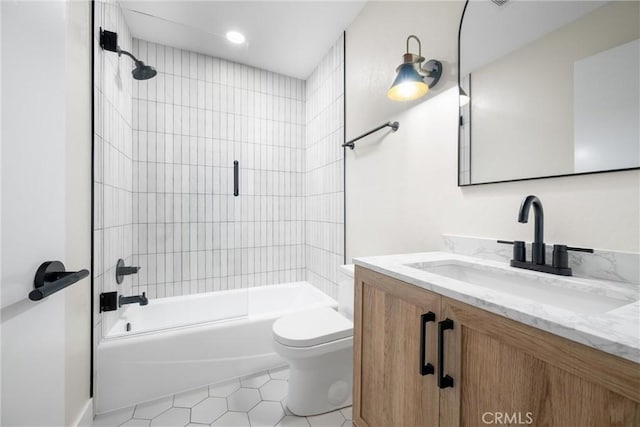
[287, 37]
[484, 39]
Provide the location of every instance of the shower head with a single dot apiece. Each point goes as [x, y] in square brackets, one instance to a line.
[109, 41]
[143, 71]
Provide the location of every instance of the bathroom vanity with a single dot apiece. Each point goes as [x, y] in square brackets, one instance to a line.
[436, 343]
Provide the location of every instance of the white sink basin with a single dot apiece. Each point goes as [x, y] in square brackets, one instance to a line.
[569, 294]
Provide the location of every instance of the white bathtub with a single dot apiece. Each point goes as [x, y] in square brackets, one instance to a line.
[180, 343]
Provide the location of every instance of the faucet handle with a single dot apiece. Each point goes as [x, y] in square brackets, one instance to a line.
[519, 249]
[122, 270]
[570, 248]
[561, 257]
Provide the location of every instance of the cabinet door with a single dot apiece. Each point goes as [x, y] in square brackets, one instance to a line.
[507, 373]
[390, 386]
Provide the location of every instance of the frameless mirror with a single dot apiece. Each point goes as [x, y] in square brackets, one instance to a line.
[554, 89]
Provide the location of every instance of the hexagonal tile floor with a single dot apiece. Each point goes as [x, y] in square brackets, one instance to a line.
[253, 401]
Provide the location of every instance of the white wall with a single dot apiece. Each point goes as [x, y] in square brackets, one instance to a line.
[1, 180]
[324, 166]
[402, 189]
[40, 340]
[78, 209]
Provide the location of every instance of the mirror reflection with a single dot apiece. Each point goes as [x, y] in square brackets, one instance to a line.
[554, 89]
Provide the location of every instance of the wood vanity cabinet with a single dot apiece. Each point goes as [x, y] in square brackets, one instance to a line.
[502, 372]
[388, 383]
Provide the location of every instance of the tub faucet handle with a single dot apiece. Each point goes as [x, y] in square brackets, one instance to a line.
[122, 270]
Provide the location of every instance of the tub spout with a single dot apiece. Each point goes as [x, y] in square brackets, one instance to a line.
[140, 299]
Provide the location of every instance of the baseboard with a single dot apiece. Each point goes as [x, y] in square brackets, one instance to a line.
[86, 417]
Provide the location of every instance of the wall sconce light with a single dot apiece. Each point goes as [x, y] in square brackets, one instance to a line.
[409, 83]
[464, 98]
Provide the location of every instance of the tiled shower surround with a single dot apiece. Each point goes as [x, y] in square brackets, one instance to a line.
[163, 163]
[324, 178]
[164, 153]
[190, 123]
[113, 164]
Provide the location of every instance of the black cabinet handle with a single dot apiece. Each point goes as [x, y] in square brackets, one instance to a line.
[236, 189]
[425, 368]
[444, 381]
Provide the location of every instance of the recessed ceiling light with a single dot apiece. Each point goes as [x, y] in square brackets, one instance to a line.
[235, 37]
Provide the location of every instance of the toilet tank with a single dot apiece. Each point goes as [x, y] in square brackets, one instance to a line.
[345, 290]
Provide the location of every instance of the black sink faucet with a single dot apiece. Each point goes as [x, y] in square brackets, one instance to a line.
[537, 247]
[560, 262]
[140, 299]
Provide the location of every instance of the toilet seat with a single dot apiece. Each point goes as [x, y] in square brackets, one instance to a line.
[311, 328]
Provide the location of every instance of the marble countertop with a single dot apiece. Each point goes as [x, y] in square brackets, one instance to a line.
[616, 331]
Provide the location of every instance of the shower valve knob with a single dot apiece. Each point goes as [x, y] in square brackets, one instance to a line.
[122, 270]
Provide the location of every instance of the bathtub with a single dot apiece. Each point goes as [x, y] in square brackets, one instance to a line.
[181, 343]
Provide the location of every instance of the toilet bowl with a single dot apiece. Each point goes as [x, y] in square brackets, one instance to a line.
[318, 346]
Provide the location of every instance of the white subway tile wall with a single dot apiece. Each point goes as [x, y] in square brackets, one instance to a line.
[164, 152]
[190, 122]
[324, 194]
[113, 161]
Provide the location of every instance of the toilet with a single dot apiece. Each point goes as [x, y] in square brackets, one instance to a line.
[318, 346]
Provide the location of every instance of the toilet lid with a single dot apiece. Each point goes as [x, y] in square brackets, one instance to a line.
[312, 327]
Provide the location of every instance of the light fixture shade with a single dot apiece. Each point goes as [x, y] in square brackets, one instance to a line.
[408, 84]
